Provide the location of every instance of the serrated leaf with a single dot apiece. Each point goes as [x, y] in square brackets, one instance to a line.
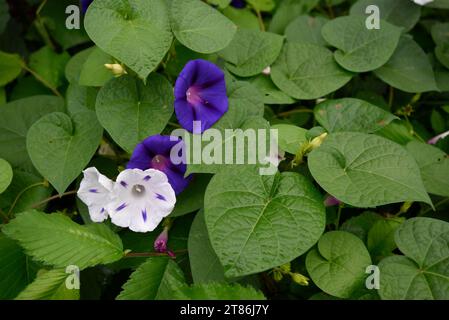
[290, 137]
[423, 273]
[401, 13]
[15, 271]
[131, 111]
[61, 146]
[200, 27]
[15, 119]
[137, 33]
[155, 279]
[56, 240]
[94, 73]
[10, 67]
[6, 175]
[338, 265]
[49, 285]
[409, 68]
[351, 115]
[50, 65]
[306, 29]
[366, 170]
[258, 222]
[434, 166]
[218, 291]
[306, 71]
[361, 49]
[204, 262]
[251, 51]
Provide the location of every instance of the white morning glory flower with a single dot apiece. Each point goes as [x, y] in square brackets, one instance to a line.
[95, 191]
[141, 199]
[422, 2]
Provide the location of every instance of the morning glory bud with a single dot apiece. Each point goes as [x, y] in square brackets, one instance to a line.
[117, 69]
[434, 140]
[160, 244]
[331, 201]
[300, 279]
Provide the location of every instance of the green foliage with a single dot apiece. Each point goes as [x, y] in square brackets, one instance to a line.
[423, 272]
[276, 209]
[58, 241]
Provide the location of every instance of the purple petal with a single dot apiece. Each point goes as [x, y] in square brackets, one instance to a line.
[85, 5]
[200, 95]
[93, 190]
[124, 184]
[160, 197]
[154, 153]
[144, 215]
[239, 4]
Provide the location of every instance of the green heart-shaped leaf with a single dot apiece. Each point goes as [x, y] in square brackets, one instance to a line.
[15, 119]
[401, 13]
[409, 68]
[200, 27]
[60, 147]
[366, 170]
[434, 166]
[306, 71]
[352, 115]
[5, 175]
[423, 273]
[259, 222]
[361, 49]
[251, 51]
[338, 265]
[131, 111]
[135, 32]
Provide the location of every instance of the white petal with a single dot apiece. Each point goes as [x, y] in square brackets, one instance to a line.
[141, 213]
[422, 2]
[94, 191]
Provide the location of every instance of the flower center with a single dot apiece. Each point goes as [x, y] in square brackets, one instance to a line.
[138, 190]
[193, 96]
[159, 162]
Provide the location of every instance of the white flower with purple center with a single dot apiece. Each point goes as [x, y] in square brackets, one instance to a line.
[141, 199]
[95, 191]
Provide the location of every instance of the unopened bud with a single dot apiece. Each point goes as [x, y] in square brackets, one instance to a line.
[267, 71]
[277, 276]
[116, 69]
[300, 279]
[285, 268]
[316, 142]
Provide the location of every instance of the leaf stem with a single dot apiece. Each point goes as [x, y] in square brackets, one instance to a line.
[436, 206]
[9, 214]
[4, 217]
[260, 19]
[337, 222]
[58, 196]
[288, 113]
[41, 80]
[152, 254]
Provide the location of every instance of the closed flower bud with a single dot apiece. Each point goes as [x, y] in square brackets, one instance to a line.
[277, 276]
[117, 69]
[300, 279]
[285, 268]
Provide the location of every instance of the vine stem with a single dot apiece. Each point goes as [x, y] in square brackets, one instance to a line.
[4, 216]
[21, 194]
[41, 80]
[260, 19]
[337, 222]
[58, 196]
[151, 254]
[288, 113]
[436, 206]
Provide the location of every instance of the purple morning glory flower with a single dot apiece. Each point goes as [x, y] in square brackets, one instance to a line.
[85, 4]
[154, 153]
[200, 95]
[434, 140]
[238, 4]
